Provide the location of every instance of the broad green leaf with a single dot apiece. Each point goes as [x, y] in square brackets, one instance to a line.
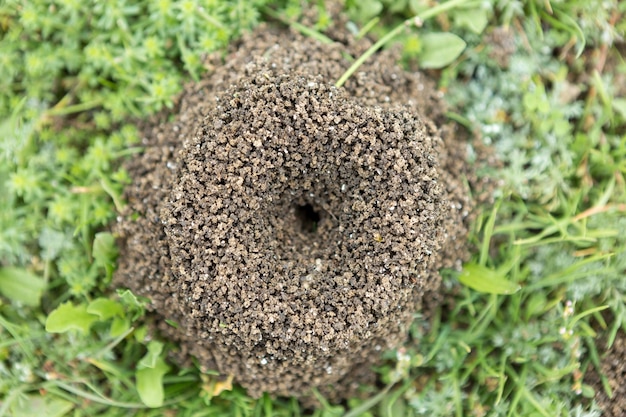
[18, 284]
[119, 326]
[70, 317]
[440, 49]
[150, 384]
[486, 280]
[150, 359]
[473, 19]
[105, 308]
[140, 333]
[41, 406]
[588, 391]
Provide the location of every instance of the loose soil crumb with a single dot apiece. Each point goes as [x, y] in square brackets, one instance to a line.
[292, 229]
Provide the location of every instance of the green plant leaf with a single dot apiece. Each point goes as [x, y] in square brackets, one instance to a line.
[149, 376]
[70, 317]
[364, 10]
[105, 308]
[440, 49]
[119, 325]
[486, 280]
[473, 19]
[132, 303]
[40, 405]
[150, 359]
[20, 285]
[150, 384]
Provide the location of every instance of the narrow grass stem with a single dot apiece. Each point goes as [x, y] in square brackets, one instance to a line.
[75, 108]
[595, 360]
[8, 400]
[370, 402]
[576, 318]
[109, 347]
[488, 233]
[96, 398]
[368, 26]
[533, 401]
[458, 396]
[14, 331]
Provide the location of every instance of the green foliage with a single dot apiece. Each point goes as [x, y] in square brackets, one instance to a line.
[70, 75]
[70, 317]
[450, 45]
[557, 229]
[149, 375]
[19, 285]
[473, 18]
[557, 224]
[486, 280]
[37, 405]
[124, 57]
[439, 49]
[105, 252]
[82, 317]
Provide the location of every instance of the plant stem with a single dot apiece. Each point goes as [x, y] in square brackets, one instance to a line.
[416, 20]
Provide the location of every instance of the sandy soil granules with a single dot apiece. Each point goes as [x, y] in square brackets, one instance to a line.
[290, 228]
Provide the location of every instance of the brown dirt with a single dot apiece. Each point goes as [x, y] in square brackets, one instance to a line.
[613, 367]
[290, 228]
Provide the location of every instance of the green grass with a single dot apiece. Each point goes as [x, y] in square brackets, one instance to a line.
[71, 76]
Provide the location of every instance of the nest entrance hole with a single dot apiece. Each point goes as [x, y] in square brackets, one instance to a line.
[307, 218]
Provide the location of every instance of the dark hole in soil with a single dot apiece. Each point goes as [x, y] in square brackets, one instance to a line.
[307, 218]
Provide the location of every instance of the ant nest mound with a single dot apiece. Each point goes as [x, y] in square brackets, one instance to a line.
[289, 228]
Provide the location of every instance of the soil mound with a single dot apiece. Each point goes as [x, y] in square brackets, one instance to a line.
[291, 229]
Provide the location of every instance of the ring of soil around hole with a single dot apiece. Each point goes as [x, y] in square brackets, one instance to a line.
[282, 302]
[290, 228]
